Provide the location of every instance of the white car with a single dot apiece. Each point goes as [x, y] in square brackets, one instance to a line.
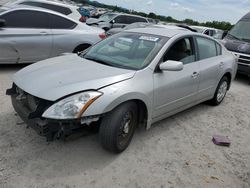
[207, 30]
[47, 34]
[63, 8]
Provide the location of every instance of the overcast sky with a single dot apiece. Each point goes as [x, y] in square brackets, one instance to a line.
[201, 10]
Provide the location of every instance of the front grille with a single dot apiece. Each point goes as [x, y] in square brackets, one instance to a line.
[34, 105]
[243, 59]
[28, 101]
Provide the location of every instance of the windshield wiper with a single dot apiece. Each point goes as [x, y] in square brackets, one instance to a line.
[98, 61]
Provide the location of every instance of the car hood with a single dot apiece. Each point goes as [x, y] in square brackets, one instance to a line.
[115, 30]
[237, 45]
[55, 78]
[91, 21]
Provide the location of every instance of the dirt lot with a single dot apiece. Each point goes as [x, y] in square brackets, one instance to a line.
[176, 152]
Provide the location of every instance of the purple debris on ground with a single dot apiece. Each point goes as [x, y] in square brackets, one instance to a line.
[221, 140]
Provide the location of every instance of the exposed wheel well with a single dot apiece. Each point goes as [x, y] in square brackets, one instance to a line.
[142, 111]
[81, 47]
[229, 77]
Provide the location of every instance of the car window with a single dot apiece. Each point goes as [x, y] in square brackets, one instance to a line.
[121, 19]
[182, 50]
[60, 9]
[206, 32]
[133, 19]
[206, 48]
[22, 19]
[61, 23]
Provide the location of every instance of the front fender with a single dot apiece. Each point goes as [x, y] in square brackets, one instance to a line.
[133, 89]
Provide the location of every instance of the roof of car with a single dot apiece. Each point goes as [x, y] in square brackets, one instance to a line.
[161, 31]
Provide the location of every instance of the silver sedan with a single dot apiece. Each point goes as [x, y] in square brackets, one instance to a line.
[29, 34]
[131, 79]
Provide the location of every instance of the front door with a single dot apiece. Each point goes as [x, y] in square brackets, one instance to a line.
[177, 89]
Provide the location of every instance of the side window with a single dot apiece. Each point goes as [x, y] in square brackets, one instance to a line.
[61, 23]
[31, 3]
[133, 19]
[22, 19]
[182, 50]
[219, 48]
[121, 19]
[206, 48]
[206, 32]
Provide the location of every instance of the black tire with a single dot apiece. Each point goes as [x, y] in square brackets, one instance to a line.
[216, 100]
[113, 134]
[81, 48]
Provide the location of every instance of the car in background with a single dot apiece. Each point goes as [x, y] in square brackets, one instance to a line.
[130, 26]
[115, 20]
[32, 34]
[63, 8]
[237, 41]
[134, 78]
[206, 30]
[144, 25]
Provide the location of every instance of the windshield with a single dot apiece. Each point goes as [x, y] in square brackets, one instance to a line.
[241, 30]
[107, 17]
[126, 50]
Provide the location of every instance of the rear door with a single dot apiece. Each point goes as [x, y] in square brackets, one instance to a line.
[28, 33]
[211, 64]
[64, 38]
[176, 89]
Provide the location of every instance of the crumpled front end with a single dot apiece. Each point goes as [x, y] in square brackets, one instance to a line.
[31, 108]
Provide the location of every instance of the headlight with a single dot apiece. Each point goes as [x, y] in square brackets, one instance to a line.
[71, 107]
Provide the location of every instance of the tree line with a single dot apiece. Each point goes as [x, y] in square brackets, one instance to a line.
[214, 24]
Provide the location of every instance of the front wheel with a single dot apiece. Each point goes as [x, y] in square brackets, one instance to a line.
[118, 127]
[221, 91]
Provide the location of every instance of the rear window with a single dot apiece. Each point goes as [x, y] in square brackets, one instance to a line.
[207, 48]
[61, 23]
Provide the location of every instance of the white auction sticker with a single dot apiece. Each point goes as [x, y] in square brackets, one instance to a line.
[153, 39]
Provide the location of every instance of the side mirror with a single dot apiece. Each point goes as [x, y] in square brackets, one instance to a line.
[112, 21]
[2, 23]
[171, 66]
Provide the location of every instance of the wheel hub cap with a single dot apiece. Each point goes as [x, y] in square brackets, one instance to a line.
[222, 91]
[126, 127]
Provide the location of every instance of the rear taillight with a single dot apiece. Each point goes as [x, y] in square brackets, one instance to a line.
[102, 36]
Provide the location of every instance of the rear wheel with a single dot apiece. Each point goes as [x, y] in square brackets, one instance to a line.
[221, 91]
[117, 128]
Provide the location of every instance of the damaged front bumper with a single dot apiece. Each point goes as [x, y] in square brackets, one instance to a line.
[30, 110]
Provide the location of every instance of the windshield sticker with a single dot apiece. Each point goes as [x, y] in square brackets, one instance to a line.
[153, 39]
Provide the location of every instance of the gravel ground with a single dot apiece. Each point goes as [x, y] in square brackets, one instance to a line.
[176, 152]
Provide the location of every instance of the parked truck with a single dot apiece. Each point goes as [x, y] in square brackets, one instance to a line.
[237, 41]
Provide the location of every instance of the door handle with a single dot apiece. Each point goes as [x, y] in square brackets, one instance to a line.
[43, 33]
[195, 75]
